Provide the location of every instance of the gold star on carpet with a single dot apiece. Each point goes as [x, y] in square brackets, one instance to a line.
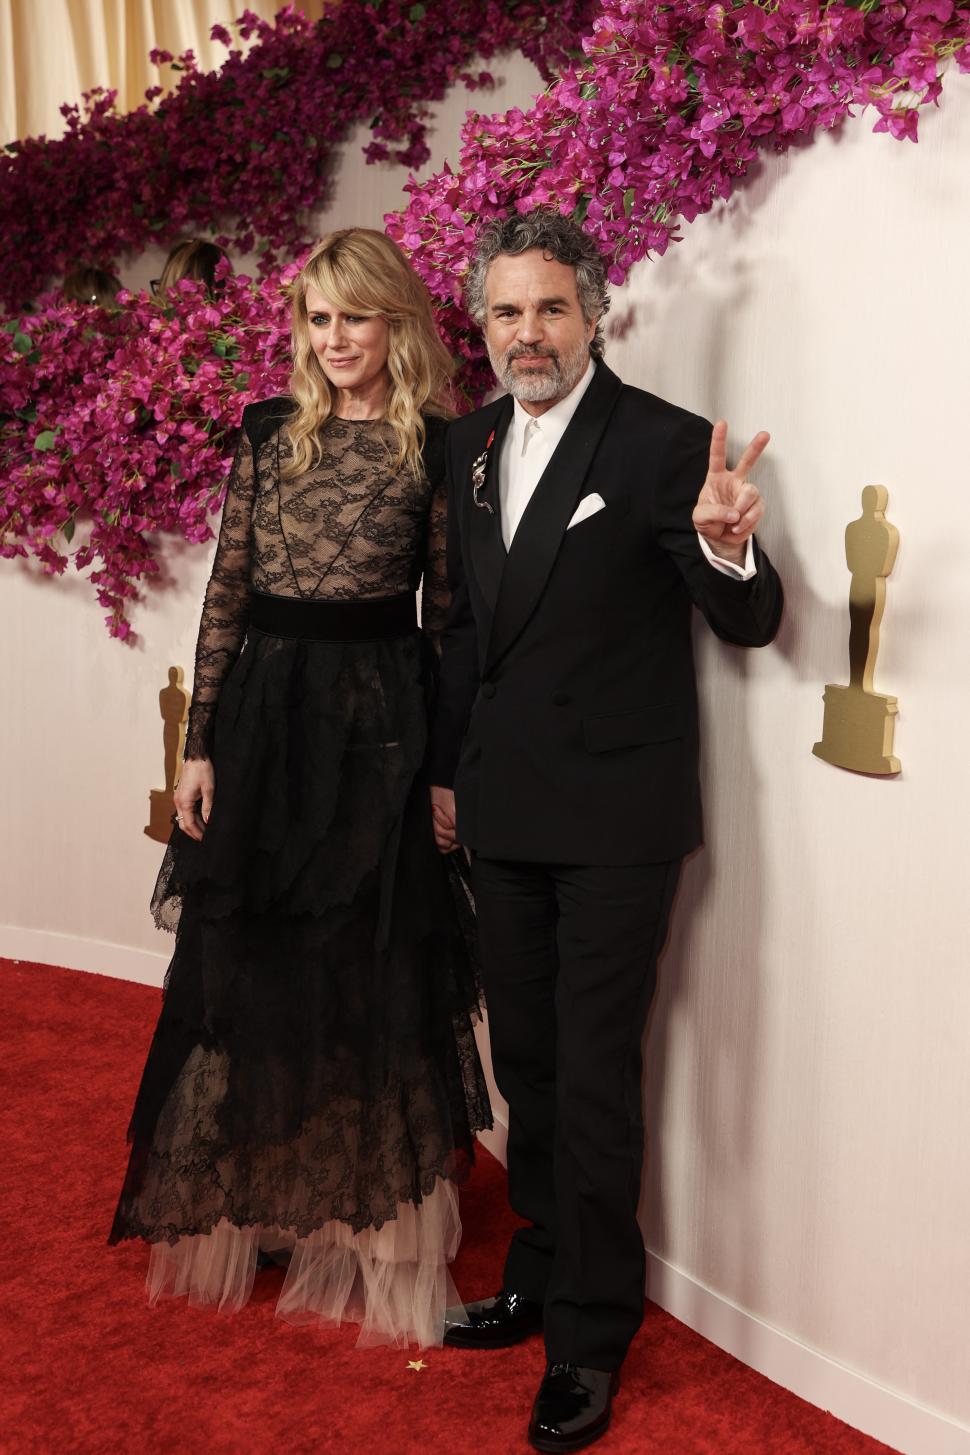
[417, 1365]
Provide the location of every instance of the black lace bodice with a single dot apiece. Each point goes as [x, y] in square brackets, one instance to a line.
[349, 529]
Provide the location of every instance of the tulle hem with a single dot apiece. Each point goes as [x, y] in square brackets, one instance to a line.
[393, 1282]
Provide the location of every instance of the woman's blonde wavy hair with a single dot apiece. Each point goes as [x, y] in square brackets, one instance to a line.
[362, 271]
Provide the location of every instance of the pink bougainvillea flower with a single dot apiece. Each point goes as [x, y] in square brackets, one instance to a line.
[120, 423]
[254, 138]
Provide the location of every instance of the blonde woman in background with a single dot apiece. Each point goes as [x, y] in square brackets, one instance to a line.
[312, 1089]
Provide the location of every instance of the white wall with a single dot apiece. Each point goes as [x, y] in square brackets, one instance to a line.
[808, 1076]
[809, 1080]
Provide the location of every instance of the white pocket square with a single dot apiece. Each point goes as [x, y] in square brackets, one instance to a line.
[588, 506]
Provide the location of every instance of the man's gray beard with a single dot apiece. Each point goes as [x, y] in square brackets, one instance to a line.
[539, 388]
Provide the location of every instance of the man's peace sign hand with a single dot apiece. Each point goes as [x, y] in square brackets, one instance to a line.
[729, 507]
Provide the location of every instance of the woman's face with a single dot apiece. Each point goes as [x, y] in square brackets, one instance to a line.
[351, 347]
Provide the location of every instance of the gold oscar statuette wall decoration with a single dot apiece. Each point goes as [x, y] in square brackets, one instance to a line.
[173, 703]
[857, 730]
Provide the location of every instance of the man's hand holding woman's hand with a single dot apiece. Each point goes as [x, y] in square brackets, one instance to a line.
[443, 818]
[197, 783]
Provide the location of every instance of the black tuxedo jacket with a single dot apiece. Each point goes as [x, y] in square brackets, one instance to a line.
[566, 716]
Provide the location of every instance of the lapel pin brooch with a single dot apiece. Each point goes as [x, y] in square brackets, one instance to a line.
[479, 468]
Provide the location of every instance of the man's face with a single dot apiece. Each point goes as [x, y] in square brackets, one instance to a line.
[535, 332]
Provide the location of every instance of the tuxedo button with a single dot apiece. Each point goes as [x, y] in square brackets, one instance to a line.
[561, 699]
[488, 689]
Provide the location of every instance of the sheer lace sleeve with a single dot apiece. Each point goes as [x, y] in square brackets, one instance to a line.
[225, 612]
[435, 594]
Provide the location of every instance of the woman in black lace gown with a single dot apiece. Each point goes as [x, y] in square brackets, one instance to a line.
[313, 1087]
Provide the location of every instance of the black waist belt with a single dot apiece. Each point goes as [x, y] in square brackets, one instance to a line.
[333, 621]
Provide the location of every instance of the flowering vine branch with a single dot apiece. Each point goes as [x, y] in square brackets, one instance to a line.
[121, 422]
[665, 114]
[125, 425]
[246, 148]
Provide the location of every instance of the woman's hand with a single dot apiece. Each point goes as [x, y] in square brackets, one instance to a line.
[443, 819]
[196, 781]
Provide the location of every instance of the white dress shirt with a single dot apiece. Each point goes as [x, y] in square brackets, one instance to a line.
[529, 445]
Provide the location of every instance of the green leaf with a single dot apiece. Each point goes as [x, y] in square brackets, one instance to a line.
[241, 381]
[417, 12]
[334, 61]
[22, 342]
[67, 530]
[46, 440]
[28, 414]
[629, 197]
[221, 347]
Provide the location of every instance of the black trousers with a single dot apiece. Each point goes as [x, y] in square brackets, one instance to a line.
[570, 965]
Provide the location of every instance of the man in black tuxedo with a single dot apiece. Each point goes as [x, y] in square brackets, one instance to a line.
[586, 518]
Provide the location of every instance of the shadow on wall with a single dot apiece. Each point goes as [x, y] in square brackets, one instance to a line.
[174, 561]
[707, 1039]
[703, 1105]
[673, 330]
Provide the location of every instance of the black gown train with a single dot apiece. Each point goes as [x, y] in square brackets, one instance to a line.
[313, 1083]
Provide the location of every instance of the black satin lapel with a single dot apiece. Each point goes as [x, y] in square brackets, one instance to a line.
[536, 542]
[485, 525]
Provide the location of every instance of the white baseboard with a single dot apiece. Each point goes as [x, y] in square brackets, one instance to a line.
[46, 947]
[883, 1413]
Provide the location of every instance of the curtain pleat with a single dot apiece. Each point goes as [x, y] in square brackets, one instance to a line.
[55, 50]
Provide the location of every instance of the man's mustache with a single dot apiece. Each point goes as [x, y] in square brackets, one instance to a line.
[531, 351]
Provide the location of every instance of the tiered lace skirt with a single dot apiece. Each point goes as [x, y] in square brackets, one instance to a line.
[313, 1088]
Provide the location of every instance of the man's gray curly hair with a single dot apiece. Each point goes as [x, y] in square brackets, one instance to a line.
[560, 239]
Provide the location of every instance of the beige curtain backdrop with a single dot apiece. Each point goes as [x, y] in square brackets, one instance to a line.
[52, 51]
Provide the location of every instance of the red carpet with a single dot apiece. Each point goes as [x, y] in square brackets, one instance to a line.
[87, 1367]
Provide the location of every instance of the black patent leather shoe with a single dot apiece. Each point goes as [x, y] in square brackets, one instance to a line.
[493, 1323]
[572, 1408]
